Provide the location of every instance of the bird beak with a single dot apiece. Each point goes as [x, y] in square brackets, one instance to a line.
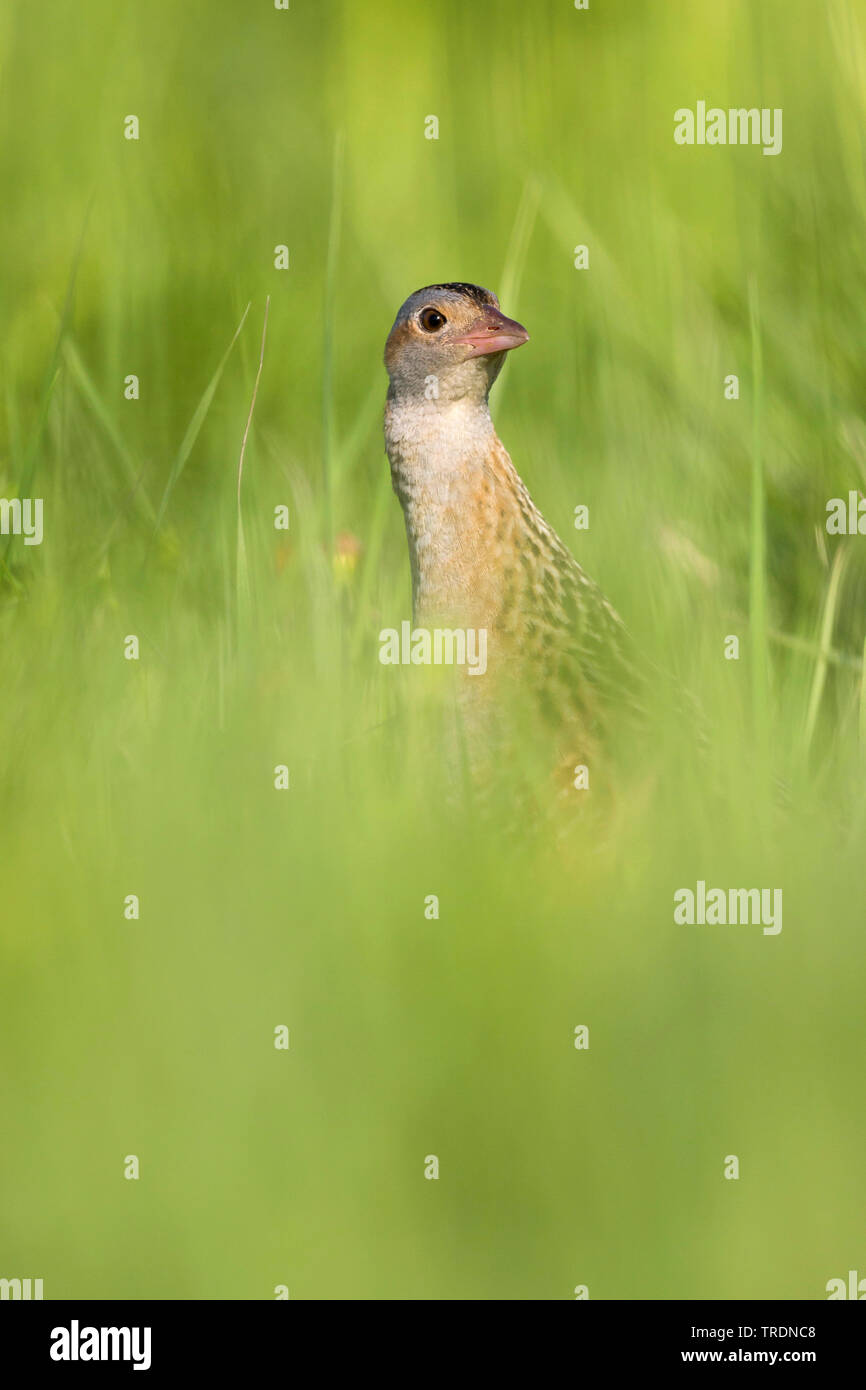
[494, 333]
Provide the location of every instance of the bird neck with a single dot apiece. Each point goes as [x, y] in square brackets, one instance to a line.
[436, 436]
[446, 464]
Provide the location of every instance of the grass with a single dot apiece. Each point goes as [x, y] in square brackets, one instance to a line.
[258, 648]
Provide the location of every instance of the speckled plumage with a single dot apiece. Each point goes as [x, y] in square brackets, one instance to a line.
[482, 555]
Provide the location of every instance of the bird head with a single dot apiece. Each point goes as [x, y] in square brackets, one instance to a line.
[449, 342]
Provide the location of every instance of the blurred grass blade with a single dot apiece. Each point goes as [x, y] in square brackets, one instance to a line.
[515, 257]
[242, 573]
[195, 425]
[329, 336]
[367, 418]
[50, 377]
[371, 568]
[758, 543]
[84, 381]
[832, 655]
[828, 620]
[518, 246]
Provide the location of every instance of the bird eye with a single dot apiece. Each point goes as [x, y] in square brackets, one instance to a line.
[431, 320]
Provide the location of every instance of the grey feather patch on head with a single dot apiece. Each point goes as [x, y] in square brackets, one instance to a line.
[481, 296]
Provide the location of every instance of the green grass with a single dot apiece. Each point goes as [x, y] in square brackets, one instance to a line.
[306, 907]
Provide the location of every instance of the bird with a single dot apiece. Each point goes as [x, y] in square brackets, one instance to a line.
[482, 555]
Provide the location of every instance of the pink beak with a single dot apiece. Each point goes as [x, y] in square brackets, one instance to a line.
[495, 333]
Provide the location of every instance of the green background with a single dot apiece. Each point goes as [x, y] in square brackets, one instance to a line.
[412, 1037]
